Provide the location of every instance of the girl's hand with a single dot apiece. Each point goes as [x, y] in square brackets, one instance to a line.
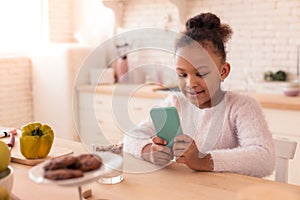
[186, 151]
[157, 152]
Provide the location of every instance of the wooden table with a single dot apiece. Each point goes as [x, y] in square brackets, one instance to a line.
[173, 182]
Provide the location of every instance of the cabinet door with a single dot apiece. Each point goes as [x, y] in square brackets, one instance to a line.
[138, 108]
[108, 125]
[113, 116]
[95, 117]
[117, 115]
[89, 128]
[103, 108]
[283, 121]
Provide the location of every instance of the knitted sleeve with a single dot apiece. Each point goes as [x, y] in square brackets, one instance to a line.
[254, 155]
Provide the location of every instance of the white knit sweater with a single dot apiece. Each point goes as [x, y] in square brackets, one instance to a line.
[234, 132]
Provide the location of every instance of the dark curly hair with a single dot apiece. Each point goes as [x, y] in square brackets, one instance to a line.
[206, 29]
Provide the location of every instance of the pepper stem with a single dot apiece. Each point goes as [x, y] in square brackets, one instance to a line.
[37, 131]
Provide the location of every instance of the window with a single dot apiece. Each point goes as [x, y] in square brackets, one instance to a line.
[26, 24]
[21, 25]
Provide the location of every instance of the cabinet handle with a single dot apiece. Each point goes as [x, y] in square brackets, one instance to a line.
[138, 108]
[99, 102]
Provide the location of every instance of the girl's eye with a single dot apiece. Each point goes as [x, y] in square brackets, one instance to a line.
[202, 74]
[181, 75]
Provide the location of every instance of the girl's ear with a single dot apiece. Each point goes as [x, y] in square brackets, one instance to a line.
[225, 70]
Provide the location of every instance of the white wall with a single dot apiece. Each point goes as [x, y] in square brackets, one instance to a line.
[92, 22]
[54, 71]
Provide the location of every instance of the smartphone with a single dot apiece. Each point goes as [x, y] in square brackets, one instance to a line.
[166, 123]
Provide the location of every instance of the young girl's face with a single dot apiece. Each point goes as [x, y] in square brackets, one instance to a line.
[200, 72]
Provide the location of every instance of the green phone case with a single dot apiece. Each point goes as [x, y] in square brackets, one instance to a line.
[166, 123]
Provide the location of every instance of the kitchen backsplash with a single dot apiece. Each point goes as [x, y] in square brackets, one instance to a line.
[266, 33]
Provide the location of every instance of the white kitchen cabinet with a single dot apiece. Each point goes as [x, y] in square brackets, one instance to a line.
[285, 124]
[98, 112]
[139, 108]
[92, 115]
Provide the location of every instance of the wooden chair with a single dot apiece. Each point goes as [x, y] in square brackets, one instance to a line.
[284, 150]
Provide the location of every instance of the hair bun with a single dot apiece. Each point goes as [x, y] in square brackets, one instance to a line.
[194, 24]
[206, 29]
[203, 21]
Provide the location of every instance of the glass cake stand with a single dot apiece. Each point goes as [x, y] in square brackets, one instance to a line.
[36, 174]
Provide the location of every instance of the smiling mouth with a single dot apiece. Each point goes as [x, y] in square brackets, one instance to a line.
[194, 93]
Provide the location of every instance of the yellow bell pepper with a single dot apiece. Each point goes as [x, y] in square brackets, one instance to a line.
[36, 140]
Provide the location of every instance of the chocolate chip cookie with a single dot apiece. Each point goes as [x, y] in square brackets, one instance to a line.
[61, 163]
[88, 162]
[68, 167]
[62, 174]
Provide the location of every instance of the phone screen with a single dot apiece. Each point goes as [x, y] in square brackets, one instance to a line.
[166, 123]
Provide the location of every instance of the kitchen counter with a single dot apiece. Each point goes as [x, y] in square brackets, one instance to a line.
[142, 91]
[277, 101]
[273, 101]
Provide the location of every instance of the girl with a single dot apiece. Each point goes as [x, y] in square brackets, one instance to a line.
[223, 131]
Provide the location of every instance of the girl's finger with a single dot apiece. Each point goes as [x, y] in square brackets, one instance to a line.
[161, 156]
[183, 138]
[160, 161]
[162, 149]
[180, 146]
[158, 140]
[178, 153]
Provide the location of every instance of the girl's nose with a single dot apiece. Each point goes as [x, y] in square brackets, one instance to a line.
[192, 81]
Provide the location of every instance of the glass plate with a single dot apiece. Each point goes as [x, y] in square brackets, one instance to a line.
[36, 173]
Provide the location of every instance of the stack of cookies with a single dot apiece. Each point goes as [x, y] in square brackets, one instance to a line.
[68, 167]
